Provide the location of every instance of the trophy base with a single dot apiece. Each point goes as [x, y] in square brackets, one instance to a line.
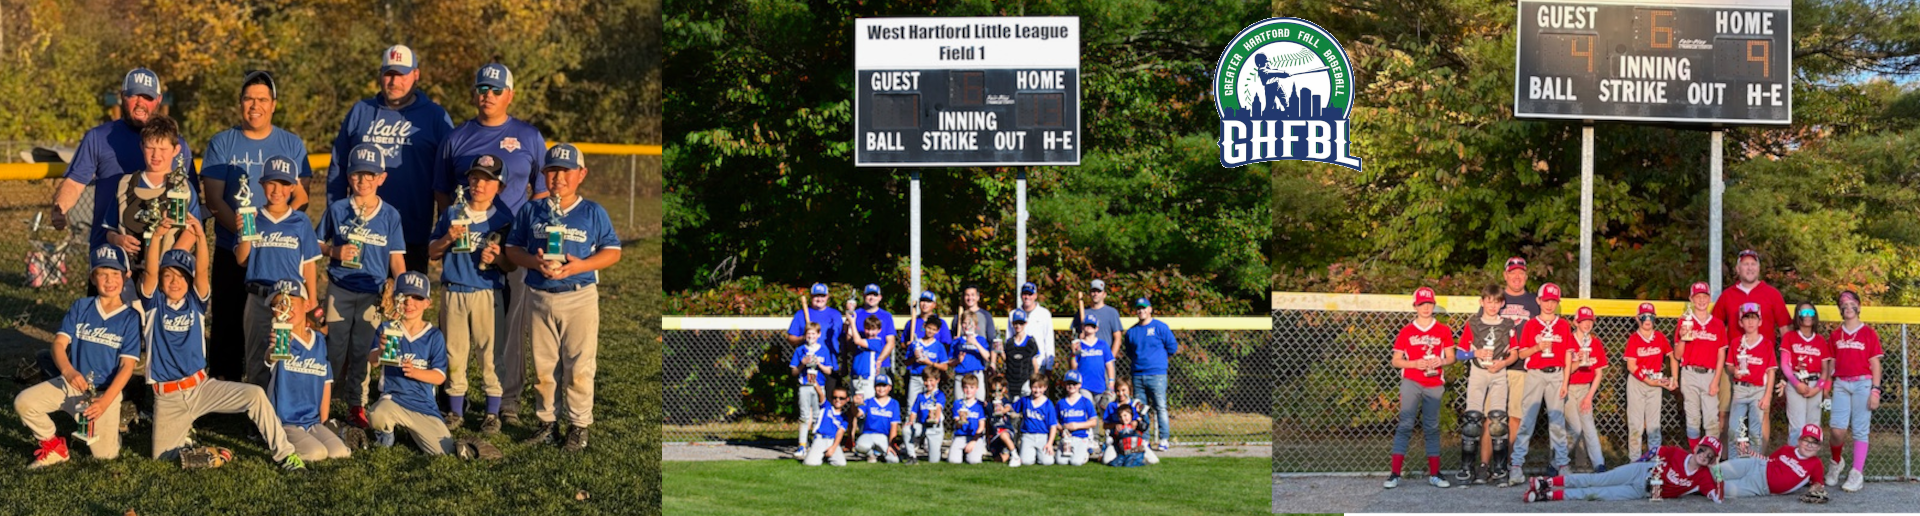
[250, 238]
[277, 357]
[353, 264]
[390, 362]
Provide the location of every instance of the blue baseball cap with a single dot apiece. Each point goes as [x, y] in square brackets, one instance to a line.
[412, 283]
[1142, 303]
[398, 59]
[819, 289]
[109, 256]
[872, 289]
[487, 165]
[178, 259]
[1017, 316]
[141, 81]
[365, 157]
[291, 287]
[1028, 288]
[565, 156]
[882, 380]
[494, 74]
[1072, 377]
[1100, 285]
[927, 295]
[279, 168]
[1090, 321]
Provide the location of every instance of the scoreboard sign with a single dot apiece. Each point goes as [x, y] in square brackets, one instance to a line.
[949, 92]
[1672, 61]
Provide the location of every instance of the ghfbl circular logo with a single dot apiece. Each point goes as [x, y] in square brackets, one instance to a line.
[1284, 90]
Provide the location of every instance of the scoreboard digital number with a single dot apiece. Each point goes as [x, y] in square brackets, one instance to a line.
[1689, 62]
[948, 92]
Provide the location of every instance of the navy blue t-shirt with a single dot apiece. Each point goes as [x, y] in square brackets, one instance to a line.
[409, 142]
[522, 151]
[231, 153]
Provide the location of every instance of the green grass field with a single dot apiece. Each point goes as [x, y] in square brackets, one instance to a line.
[1175, 486]
[619, 472]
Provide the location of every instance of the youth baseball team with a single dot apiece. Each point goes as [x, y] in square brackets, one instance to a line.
[219, 324]
[1727, 360]
[1093, 413]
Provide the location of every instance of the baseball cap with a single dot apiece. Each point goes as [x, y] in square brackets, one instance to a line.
[565, 156]
[365, 157]
[1584, 314]
[1017, 317]
[871, 289]
[883, 380]
[178, 259]
[1422, 295]
[1748, 253]
[279, 168]
[1072, 377]
[1811, 430]
[1142, 303]
[487, 164]
[109, 256]
[1710, 442]
[819, 289]
[1549, 292]
[1090, 321]
[141, 81]
[412, 283]
[1700, 288]
[927, 295]
[292, 287]
[1516, 263]
[264, 77]
[1646, 310]
[1752, 309]
[1028, 288]
[495, 75]
[1100, 285]
[399, 59]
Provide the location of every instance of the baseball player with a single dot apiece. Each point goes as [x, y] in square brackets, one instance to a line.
[1152, 345]
[1000, 418]
[1586, 367]
[302, 387]
[363, 239]
[1123, 400]
[1521, 306]
[1806, 363]
[1039, 424]
[1751, 363]
[1647, 358]
[160, 137]
[239, 154]
[880, 422]
[1773, 318]
[1545, 341]
[566, 303]
[1133, 447]
[406, 128]
[816, 311]
[929, 408]
[812, 364]
[1483, 428]
[1419, 351]
[873, 359]
[475, 314]
[111, 150]
[1787, 470]
[928, 353]
[970, 355]
[1680, 474]
[1039, 324]
[1856, 389]
[969, 428]
[1077, 421]
[828, 431]
[1702, 341]
[1093, 358]
[288, 250]
[406, 394]
[1019, 354]
[175, 300]
[96, 350]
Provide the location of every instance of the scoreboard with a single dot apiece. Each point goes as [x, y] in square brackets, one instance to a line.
[1671, 61]
[948, 92]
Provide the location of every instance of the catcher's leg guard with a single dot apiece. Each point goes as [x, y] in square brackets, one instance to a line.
[1472, 426]
[1497, 429]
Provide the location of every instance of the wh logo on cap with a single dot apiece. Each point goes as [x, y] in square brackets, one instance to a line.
[416, 281]
[563, 154]
[367, 155]
[283, 166]
[144, 80]
[107, 253]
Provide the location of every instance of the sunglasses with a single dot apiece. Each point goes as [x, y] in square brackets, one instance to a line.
[839, 398]
[489, 90]
[1809, 312]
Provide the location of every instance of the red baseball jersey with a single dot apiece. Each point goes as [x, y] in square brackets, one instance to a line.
[1787, 471]
[1558, 337]
[1584, 374]
[1754, 356]
[1645, 356]
[1709, 338]
[1773, 308]
[1851, 350]
[1801, 353]
[1419, 343]
[1681, 482]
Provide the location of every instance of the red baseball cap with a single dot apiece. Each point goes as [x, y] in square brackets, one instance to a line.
[1549, 292]
[1710, 442]
[1585, 314]
[1752, 309]
[1516, 263]
[1811, 430]
[1422, 295]
[1646, 309]
[1748, 253]
[1701, 288]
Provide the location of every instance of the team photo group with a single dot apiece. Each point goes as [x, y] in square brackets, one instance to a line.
[205, 288]
[1730, 362]
[992, 389]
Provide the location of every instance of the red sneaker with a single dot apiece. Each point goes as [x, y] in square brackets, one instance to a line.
[357, 416]
[52, 451]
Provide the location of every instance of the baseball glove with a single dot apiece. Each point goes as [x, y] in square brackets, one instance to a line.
[471, 448]
[1815, 494]
[354, 438]
[205, 457]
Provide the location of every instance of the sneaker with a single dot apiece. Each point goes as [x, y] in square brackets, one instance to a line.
[1392, 482]
[52, 451]
[1436, 481]
[1855, 481]
[357, 416]
[490, 425]
[510, 418]
[453, 420]
[383, 439]
[293, 463]
[1534, 495]
[1013, 460]
[576, 439]
[1833, 472]
[1514, 478]
[800, 452]
[871, 458]
[1540, 484]
[1527, 497]
[544, 434]
[1465, 476]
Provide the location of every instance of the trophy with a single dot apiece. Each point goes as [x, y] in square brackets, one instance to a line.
[357, 236]
[390, 333]
[464, 244]
[1742, 442]
[1806, 376]
[1432, 371]
[556, 233]
[178, 193]
[84, 429]
[147, 218]
[1547, 340]
[1743, 358]
[282, 325]
[248, 231]
[1487, 345]
[1657, 481]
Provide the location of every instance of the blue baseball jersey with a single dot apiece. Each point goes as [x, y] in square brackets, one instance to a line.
[1077, 412]
[924, 406]
[1112, 413]
[935, 351]
[830, 421]
[811, 376]
[860, 316]
[298, 383]
[231, 153]
[97, 340]
[1094, 357]
[522, 151]
[286, 244]
[461, 271]
[176, 335]
[828, 318]
[588, 230]
[970, 412]
[409, 142]
[867, 360]
[426, 350]
[383, 237]
[1150, 344]
[106, 152]
[881, 414]
[972, 353]
[1040, 416]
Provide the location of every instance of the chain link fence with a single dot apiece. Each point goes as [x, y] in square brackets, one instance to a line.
[730, 381]
[1336, 397]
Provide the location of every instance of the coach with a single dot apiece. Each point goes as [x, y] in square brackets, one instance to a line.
[1522, 305]
[1039, 325]
[1773, 318]
[112, 150]
[1151, 343]
[407, 127]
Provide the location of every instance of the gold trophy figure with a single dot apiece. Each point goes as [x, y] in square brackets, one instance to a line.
[556, 234]
[356, 235]
[282, 324]
[390, 334]
[467, 240]
[249, 232]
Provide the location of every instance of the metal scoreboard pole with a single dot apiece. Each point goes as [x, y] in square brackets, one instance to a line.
[1717, 185]
[1020, 228]
[913, 221]
[1586, 211]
